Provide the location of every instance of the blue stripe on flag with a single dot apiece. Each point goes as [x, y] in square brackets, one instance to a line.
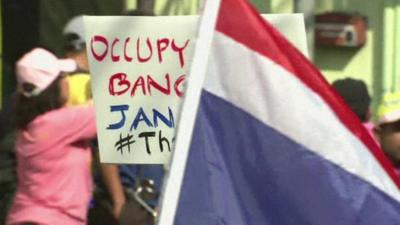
[241, 171]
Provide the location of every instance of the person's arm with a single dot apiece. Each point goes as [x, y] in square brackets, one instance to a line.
[114, 187]
[72, 124]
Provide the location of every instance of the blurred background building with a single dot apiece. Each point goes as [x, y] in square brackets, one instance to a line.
[29, 23]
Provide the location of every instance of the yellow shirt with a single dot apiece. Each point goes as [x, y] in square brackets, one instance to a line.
[79, 89]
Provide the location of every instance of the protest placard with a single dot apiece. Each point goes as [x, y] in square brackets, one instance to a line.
[138, 67]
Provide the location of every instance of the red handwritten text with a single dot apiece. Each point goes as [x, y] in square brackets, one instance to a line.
[119, 84]
[121, 50]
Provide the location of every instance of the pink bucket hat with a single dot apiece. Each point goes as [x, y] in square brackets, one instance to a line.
[40, 68]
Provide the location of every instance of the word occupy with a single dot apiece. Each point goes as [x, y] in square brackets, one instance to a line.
[100, 47]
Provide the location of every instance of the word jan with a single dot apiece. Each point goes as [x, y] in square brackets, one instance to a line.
[121, 50]
[118, 84]
[141, 117]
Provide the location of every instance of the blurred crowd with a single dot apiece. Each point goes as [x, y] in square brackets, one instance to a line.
[386, 129]
[50, 171]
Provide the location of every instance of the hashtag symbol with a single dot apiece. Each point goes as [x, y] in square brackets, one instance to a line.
[122, 143]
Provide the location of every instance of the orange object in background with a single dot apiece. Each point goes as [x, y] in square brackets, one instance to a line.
[340, 29]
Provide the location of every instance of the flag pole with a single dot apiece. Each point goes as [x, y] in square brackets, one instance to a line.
[174, 177]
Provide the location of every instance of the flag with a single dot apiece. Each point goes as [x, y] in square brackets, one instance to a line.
[273, 144]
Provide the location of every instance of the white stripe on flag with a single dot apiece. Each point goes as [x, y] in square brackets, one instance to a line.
[271, 94]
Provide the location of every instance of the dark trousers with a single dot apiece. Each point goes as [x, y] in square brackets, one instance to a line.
[6, 199]
[132, 213]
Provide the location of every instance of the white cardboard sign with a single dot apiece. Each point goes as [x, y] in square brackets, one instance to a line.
[138, 67]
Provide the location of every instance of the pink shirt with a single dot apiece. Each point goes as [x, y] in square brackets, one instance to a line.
[54, 177]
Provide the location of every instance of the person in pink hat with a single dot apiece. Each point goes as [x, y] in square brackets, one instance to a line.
[53, 154]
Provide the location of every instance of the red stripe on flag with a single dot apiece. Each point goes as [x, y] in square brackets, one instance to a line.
[241, 22]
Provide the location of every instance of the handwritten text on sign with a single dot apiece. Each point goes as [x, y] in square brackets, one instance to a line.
[138, 78]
